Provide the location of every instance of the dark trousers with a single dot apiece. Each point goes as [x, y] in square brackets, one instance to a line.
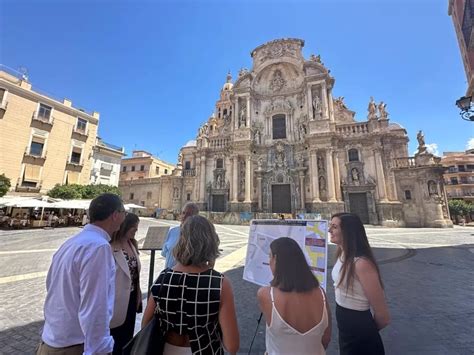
[358, 333]
[124, 333]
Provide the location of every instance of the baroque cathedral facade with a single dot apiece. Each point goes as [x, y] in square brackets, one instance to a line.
[279, 142]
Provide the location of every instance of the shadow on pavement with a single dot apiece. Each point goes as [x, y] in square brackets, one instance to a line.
[429, 292]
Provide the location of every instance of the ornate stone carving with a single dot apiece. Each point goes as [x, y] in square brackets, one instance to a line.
[420, 137]
[278, 82]
[278, 105]
[383, 114]
[372, 108]
[339, 103]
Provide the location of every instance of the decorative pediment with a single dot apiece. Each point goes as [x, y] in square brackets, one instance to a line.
[279, 106]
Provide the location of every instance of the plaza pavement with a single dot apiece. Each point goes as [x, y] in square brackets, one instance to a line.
[428, 276]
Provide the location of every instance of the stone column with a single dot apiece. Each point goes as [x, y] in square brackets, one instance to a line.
[247, 179]
[330, 176]
[381, 187]
[203, 180]
[310, 104]
[248, 111]
[337, 177]
[302, 190]
[331, 106]
[314, 177]
[259, 191]
[235, 180]
[236, 113]
[324, 100]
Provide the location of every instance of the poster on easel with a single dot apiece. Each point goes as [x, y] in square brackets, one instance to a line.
[311, 236]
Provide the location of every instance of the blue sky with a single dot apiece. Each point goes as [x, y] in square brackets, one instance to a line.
[154, 69]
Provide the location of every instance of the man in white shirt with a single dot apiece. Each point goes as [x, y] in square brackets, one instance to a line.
[80, 286]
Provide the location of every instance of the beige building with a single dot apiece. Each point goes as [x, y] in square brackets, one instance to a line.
[143, 165]
[279, 142]
[44, 141]
[459, 176]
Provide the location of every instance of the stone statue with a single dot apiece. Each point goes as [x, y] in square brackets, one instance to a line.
[260, 163]
[355, 174]
[243, 117]
[315, 58]
[218, 181]
[339, 102]
[322, 183]
[243, 71]
[302, 130]
[316, 106]
[320, 163]
[372, 109]
[180, 158]
[421, 142]
[257, 136]
[382, 110]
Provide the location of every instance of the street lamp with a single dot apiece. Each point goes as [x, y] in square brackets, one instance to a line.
[465, 105]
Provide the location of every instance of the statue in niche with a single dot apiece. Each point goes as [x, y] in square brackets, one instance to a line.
[322, 184]
[355, 174]
[382, 110]
[432, 188]
[243, 117]
[218, 182]
[320, 163]
[302, 130]
[316, 106]
[257, 136]
[420, 137]
[280, 159]
[260, 163]
[372, 108]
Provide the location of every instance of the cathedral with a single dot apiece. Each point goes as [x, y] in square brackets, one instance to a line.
[279, 142]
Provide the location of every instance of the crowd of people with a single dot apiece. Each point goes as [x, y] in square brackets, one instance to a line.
[59, 218]
[94, 294]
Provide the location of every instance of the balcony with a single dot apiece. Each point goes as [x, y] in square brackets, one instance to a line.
[35, 156]
[353, 129]
[48, 121]
[408, 162]
[219, 143]
[81, 133]
[189, 172]
[78, 163]
[28, 186]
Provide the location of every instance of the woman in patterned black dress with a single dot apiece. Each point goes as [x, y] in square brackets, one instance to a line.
[195, 302]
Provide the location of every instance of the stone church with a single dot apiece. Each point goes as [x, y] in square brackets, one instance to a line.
[279, 142]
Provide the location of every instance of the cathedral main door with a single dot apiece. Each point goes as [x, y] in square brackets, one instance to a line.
[358, 205]
[281, 198]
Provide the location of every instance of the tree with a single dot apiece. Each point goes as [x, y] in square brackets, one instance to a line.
[4, 184]
[459, 207]
[75, 191]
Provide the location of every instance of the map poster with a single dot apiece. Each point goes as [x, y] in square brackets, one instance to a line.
[311, 236]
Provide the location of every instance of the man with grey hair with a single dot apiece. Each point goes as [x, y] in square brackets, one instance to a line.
[189, 209]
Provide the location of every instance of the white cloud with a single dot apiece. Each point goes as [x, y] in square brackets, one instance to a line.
[432, 148]
[470, 144]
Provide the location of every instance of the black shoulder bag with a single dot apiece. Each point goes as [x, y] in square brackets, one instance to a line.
[151, 339]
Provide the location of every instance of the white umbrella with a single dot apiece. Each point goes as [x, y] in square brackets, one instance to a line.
[130, 206]
[32, 202]
[72, 204]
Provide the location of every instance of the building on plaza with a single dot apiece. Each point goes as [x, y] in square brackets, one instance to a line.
[459, 176]
[462, 14]
[107, 159]
[143, 165]
[44, 141]
[279, 142]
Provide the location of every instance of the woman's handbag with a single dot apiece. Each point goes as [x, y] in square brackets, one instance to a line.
[150, 340]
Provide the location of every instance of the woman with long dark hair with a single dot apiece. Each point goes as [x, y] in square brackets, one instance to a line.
[358, 287]
[296, 312]
[128, 296]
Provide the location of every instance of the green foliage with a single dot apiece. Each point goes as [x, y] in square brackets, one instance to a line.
[460, 207]
[74, 191]
[4, 184]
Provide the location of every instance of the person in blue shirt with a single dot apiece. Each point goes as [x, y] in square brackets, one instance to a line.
[189, 209]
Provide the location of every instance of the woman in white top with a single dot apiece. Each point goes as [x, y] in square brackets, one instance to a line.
[297, 315]
[358, 287]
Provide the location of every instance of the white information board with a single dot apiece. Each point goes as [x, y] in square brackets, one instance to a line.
[311, 236]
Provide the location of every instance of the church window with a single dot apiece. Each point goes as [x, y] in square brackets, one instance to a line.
[124, 169]
[353, 155]
[131, 196]
[407, 195]
[279, 127]
[225, 112]
[188, 197]
[219, 163]
[187, 165]
[133, 167]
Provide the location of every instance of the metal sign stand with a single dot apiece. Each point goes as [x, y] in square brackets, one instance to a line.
[154, 240]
